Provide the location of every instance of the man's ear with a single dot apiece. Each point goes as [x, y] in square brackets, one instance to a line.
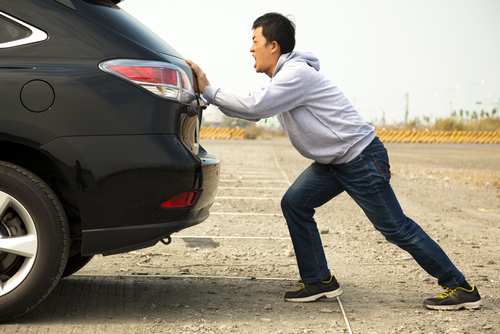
[276, 47]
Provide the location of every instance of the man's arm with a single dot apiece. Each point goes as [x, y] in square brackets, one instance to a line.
[284, 93]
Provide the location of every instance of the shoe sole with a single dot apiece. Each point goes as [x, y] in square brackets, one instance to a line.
[329, 294]
[463, 306]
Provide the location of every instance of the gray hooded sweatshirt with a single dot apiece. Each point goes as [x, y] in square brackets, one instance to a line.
[316, 116]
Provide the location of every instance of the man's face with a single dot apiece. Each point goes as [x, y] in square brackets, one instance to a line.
[262, 51]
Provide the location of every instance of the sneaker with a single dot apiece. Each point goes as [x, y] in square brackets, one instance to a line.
[313, 291]
[455, 299]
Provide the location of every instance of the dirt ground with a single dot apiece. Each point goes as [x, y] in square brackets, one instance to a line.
[229, 273]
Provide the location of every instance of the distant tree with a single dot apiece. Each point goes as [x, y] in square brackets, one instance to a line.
[493, 112]
[467, 114]
[461, 113]
[487, 115]
[482, 113]
[454, 113]
[474, 115]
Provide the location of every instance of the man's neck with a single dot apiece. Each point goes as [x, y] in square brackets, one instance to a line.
[270, 72]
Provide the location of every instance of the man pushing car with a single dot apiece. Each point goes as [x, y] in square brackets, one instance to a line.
[348, 156]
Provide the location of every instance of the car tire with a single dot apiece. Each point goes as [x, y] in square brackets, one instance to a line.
[34, 240]
[75, 263]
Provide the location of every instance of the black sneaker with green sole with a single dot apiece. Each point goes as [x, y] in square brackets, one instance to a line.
[313, 291]
[455, 299]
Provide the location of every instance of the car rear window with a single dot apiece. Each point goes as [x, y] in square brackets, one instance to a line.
[11, 31]
[112, 16]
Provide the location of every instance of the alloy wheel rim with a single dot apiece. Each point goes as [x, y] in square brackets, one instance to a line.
[24, 245]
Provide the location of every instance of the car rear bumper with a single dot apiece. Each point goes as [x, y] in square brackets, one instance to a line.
[123, 182]
[124, 239]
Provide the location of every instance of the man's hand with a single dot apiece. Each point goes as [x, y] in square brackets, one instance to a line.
[202, 77]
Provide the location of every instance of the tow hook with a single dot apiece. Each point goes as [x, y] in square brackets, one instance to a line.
[167, 242]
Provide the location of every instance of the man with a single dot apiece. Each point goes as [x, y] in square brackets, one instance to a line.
[323, 126]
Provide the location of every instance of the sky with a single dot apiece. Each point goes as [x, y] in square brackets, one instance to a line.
[435, 55]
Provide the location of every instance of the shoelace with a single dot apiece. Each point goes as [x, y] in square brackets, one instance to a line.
[447, 293]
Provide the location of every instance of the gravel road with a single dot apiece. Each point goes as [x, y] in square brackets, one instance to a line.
[229, 273]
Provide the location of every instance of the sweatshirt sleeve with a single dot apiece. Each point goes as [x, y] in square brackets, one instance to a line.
[285, 92]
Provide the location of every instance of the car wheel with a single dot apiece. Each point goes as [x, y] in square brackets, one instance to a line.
[75, 263]
[34, 240]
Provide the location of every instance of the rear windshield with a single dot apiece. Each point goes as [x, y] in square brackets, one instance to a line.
[112, 16]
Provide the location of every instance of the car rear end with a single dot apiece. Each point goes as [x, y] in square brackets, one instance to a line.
[185, 192]
[123, 126]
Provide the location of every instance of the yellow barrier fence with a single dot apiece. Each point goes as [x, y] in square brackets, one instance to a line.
[456, 137]
[221, 133]
[387, 136]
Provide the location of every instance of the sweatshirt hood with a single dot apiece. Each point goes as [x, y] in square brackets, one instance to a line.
[296, 56]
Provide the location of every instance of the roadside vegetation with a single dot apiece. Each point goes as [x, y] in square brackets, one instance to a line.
[459, 121]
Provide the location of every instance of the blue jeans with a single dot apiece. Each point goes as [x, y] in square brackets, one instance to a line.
[366, 180]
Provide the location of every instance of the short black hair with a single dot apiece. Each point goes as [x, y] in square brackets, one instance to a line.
[276, 27]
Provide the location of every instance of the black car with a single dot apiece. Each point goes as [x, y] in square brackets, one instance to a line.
[99, 151]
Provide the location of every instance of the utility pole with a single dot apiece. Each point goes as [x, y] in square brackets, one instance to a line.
[448, 101]
[407, 101]
[470, 93]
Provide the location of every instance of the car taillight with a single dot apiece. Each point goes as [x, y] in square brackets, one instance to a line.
[183, 200]
[160, 78]
[154, 75]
